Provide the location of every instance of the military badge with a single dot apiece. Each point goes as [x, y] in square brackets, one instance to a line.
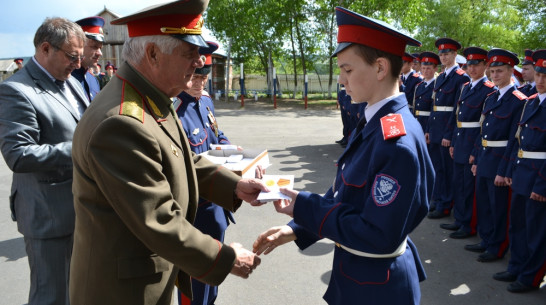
[385, 189]
[392, 126]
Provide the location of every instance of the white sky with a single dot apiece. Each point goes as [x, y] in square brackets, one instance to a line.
[21, 18]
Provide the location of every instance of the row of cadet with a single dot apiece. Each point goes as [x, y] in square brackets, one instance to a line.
[194, 108]
[486, 138]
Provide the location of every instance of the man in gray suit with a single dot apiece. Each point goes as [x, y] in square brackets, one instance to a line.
[39, 109]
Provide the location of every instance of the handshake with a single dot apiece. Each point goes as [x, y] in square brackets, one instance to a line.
[246, 261]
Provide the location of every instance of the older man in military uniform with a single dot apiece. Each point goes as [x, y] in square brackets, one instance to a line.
[136, 181]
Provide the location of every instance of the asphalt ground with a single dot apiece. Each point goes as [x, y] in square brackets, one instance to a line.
[301, 143]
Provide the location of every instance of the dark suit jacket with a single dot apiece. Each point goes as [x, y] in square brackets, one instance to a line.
[36, 127]
[136, 187]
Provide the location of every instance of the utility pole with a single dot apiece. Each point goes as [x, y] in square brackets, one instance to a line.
[227, 68]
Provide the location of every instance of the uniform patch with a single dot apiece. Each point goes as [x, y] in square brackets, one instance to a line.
[460, 71]
[393, 126]
[489, 84]
[385, 189]
[519, 95]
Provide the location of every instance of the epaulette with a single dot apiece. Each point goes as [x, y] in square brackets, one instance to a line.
[489, 84]
[419, 83]
[495, 91]
[132, 103]
[519, 95]
[155, 111]
[416, 74]
[460, 71]
[534, 96]
[519, 87]
[393, 126]
[466, 83]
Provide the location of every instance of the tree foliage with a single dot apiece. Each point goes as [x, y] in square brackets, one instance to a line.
[300, 35]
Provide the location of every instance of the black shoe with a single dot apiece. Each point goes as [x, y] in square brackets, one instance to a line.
[487, 257]
[505, 276]
[519, 287]
[460, 234]
[432, 207]
[437, 214]
[478, 248]
[342, 140]
[450, 226]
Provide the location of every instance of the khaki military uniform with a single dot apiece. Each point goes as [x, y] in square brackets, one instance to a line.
[136, 187]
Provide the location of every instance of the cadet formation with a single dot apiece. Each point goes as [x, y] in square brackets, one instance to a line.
[436, 137]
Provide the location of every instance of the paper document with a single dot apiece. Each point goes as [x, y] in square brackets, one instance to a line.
[274, 183]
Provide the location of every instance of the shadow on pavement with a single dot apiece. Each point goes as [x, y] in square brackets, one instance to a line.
[13, 249]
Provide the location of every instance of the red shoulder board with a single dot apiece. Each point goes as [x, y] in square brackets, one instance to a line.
[416, 74]
[393, 126]
[460, 71]
[489, 84]
[534, 96]
[466, 83]
[519, 95]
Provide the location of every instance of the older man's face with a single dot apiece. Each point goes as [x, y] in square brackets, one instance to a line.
[62, 60]
[177, 68]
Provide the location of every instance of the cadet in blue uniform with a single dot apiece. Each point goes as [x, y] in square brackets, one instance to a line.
[383, 182]
[416, 63]
[409, 78]
[344, 102]
[195, 109]
[467, 129]
[92, 26]
[528, 74]
[500, 115]
[439, 131]
[422, 100]
[527, 265]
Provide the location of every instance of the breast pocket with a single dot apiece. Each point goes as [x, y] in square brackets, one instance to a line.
[353, 185]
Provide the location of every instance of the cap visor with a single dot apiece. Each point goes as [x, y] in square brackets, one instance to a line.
[445, 51]
[96, 37]
[540, 70]
[192, 39]
[203, 71]
[340, 47]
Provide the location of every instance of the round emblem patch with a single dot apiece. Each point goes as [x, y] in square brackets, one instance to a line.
[385, 189]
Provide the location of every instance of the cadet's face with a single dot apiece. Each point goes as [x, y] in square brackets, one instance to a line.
[416, 66]
[358, 77]
[501, 75]
[540, 80]
[476, 71]
[528, 73]
[91, 52]
[428, 71]
[448, 58]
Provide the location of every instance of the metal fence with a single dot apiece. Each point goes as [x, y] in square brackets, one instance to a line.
[258, 83]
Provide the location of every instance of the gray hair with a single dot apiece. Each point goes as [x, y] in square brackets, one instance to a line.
[57, 31]
[134, 48]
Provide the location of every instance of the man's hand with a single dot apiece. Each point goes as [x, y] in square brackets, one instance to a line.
[508, 181]
[471, 160]
[474, 169]
[427, 138]
[538, 197]
[500, 181]
[248, 189]
[446, 143]
[245, 261]
[451, 151]
[272, 238]
[286, 206]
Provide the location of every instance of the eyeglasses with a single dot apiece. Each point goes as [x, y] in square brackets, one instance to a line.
[72, 58]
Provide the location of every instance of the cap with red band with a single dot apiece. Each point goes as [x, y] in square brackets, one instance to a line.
[207, 54]
[92, 27]
[180, 19]
[447, 44]
[407, 57]
[500, 57]
[429, 58]
[18, 60]
[539, 57]
[528, 60]
[354, 28]
[474, 55]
